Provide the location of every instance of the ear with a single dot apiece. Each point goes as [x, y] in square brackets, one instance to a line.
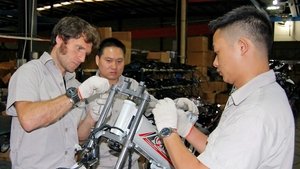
[58, 39]
[97, 60]
[244, 45]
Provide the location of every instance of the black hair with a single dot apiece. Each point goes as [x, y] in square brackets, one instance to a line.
[253, 21]
[110, 42]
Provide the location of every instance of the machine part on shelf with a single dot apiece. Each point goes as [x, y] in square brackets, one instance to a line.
[131, 131]
[162, 78]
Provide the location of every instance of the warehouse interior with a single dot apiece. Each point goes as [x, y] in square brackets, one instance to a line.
[168, 44]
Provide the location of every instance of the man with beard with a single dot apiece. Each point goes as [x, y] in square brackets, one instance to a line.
[43, 96]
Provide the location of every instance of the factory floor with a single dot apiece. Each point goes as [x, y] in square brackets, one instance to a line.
[5, 164]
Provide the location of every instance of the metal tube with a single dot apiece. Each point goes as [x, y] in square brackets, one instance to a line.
[129, 141]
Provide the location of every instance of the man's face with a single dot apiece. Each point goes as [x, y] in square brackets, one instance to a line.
[227, 56]
[111, 63]
[72, 53]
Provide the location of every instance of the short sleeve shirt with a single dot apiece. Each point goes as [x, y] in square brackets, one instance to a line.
[48, 147]
[256, 130]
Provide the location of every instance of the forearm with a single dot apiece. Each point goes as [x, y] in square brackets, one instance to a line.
[34, 115]
[85, 127]
[181, 157]
[197, 139]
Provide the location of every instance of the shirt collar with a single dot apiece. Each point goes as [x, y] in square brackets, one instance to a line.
[46, 59]
[259, 81]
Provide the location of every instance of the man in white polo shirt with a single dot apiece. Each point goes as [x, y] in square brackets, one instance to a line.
[256, 130]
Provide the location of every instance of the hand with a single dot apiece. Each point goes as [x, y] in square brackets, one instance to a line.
[165, 114]
[187, 115]
[97, 105]
[186, 121]
[187, 105]
[92, 85]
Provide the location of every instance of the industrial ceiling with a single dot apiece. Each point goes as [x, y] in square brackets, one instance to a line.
[12, 12]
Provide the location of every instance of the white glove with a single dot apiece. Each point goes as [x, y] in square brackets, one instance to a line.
[186, 121]
[92, 85]
[165, 114]
[187, 105]
[97, 105]
[187, 115]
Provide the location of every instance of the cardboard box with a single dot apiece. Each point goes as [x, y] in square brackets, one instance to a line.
[197, 43]
[153, 55]
[125, 37]
[104, 32]
[221, 98]
[209, 97]
[159, 56]
[201, 58]
[90, 62]
[213, 87]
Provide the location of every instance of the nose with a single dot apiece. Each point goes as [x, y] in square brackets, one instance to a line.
[114, 65]
[215, 63]
[82, 57]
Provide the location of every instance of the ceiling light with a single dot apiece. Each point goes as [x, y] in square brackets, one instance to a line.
[275, 2]
[78, 1]
[66, 3]
[57, 5]
[273, 8]
[40, 9]
[88, 0]
[47, 7]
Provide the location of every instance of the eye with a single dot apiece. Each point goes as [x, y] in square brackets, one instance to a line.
[119, 61]
[80, 48]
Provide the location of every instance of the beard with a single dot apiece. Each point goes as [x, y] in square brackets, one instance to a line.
[63, 49]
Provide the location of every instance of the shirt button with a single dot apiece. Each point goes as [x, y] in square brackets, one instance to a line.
[66, 129]
[66, 152]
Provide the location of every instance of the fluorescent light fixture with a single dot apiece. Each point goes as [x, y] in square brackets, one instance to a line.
[47, 7]
[78, 1]
[40, 9]
[99, 0]
[57, 5]
[273, 8]
[66, 3]
[88, 0]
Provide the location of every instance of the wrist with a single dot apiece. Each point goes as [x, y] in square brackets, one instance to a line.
[189, 133]
[72, 94]
[166, 132]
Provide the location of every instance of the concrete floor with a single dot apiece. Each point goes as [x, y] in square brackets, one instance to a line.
[6, 165]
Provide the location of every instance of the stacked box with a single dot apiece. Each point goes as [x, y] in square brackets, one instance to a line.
[159, 56]
[222, 98]
[104, 32]
[200, 58]
[197, 43]
[125, 37]
[213, 87]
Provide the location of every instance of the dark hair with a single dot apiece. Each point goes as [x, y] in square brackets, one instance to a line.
[251, 20]
[110, 42]
[75, 27]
